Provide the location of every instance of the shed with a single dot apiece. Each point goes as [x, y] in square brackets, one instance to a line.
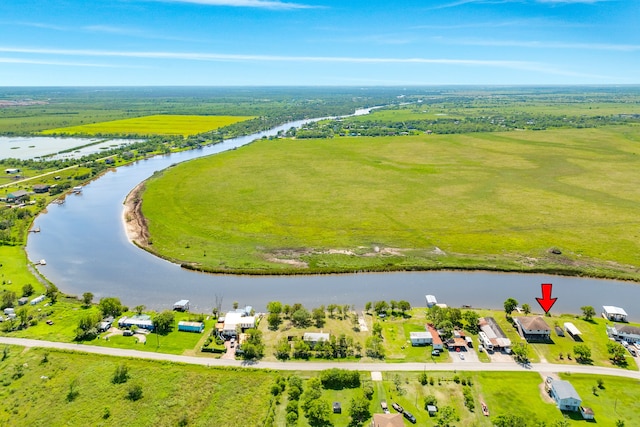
[9, 310]
[432, 410]
[587, 413]
[182, 305]
[559, 331]
[23, 301]
[420, 338]
[190, 326]
[613, 313]
[337, 408]
[12, 170]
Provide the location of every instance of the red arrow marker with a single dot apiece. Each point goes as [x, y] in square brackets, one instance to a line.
[546, 302]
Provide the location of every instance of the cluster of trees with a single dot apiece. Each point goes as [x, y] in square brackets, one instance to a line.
[447, 319]
[339, 347]
[300, 317]
[382, 307]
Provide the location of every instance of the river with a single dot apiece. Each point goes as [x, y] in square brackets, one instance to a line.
[87, 250]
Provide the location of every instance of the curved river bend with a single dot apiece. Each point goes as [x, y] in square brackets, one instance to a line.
[84, 243]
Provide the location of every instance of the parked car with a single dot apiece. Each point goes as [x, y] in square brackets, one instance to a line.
[408, 415]
[632, 351]
[127, 333]
[383, 405]
[397, 407]
[461, 356]
[637, 345]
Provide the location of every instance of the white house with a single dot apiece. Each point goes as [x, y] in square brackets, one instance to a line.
[492, 337]
[533, 328]
[313, 338]
[613, 313]
[420, 338]
[565, 395]
[234, 320]
[142, 321]
[624, 333]
[37, 300]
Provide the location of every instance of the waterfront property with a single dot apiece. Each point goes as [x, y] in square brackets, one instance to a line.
[313, 338]
[624, 333]
[565, 396]
[436, 341]
[16, 196]
[141, 321]
[491, 335]
[420, 338]
[533, 328]
[615, 314]
[237, 320]
[190, 326]
[37, 300]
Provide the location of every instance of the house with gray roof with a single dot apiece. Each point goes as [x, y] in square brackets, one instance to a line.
[565, 396]
[624, 333]
[533, 328]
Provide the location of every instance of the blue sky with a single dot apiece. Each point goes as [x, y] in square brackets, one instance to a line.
[318, 42]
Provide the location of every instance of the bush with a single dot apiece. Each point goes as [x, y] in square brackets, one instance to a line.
[121, 375]
[337, 379]
[135, 392]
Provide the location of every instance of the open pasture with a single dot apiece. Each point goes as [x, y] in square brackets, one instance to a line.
[152, 125]
[483, 200]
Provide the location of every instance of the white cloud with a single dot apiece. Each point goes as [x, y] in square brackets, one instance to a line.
[261, 4]
[58, 63]
[545, 44]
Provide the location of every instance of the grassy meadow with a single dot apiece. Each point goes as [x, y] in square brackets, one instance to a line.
[35, 392]
[476, 201]
[184, 125]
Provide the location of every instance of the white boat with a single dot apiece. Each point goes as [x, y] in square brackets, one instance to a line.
[77, 190]
[43, 262]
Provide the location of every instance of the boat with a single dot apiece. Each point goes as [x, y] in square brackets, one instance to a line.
[42, 262]
[485, 410]
[77, 190]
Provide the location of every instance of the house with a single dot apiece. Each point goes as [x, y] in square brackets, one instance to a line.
[41, 188]
[572, 330]
[142, 321]
[615, 314]
[436, 341]
[565, 396]
[533, 328]
[23, 301]
[387, 420]
[337, 408]
[491, 335]
[16, 196]
[235, 320]
[37, 300]
[313, 338]
[182, 305]
[12, 171]
[624, 333]
[420, 338]
[190, 326]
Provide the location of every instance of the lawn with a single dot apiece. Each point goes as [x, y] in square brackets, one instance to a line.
[495, 200]
[170, 392]
[151, 125]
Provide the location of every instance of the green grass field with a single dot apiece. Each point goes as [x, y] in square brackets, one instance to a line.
[170, 392]
[497, 201]
[151, 125]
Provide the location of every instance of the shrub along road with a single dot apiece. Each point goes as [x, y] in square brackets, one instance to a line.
[312, 366]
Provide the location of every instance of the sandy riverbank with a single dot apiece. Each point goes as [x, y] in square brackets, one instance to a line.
[135, 224]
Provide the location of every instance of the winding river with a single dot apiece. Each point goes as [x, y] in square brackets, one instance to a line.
[86, 249]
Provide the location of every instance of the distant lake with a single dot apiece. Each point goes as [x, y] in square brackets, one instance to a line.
[26, 148]
[86, 249]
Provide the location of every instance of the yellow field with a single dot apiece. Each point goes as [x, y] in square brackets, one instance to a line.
[152, 125]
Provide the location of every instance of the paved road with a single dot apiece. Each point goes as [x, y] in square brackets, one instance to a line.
[318, 366]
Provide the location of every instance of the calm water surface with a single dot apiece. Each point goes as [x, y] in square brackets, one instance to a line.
[86, 249]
